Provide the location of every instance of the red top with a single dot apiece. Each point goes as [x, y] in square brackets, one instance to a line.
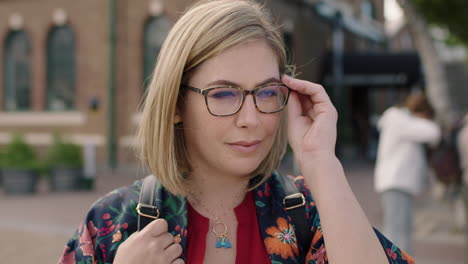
[250, 246]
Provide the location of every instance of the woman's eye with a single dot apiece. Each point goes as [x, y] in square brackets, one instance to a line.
[267, 92]
[223, 94]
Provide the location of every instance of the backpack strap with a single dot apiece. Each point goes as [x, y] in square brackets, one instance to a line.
[294, 203]
[146, 209]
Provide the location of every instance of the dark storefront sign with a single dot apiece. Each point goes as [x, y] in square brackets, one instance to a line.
[375, 69]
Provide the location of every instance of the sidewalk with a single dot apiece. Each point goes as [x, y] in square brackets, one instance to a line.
[34, 229]
[436, 241]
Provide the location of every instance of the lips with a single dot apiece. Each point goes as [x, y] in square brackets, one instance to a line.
[245, 146]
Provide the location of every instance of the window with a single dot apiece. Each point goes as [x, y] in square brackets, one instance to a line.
[60, 69]
[368, 9]
[155, 31]
[17, 72]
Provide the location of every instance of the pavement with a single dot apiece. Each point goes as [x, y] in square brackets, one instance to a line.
[35, 228]
[438, 237]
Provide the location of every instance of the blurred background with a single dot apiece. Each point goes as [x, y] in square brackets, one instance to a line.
[72, 75]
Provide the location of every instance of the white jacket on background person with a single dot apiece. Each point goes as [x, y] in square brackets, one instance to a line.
[401, 159]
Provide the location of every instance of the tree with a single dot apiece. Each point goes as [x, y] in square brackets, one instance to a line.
[449, 14]
[436, 79]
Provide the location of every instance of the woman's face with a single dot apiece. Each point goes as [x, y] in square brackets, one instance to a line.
[235, 144]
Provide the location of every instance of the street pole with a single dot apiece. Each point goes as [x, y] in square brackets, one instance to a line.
[338, 87]
[111, 145]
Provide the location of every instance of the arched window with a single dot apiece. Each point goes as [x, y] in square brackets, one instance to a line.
[17, 72]
[60, 69]
[155, 31]
[368, 9]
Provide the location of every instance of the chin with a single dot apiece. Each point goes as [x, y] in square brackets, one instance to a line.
[244, 166]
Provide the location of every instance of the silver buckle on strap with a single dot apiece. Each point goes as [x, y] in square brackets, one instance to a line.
[292, 196]
[141, 206]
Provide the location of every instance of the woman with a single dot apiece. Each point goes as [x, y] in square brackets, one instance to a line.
[213, 131]
[401, 167]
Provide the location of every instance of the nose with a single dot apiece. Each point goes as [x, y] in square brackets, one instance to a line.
[248, 114]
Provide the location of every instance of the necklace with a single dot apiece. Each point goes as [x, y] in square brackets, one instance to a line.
[220, 229]
[222, 240]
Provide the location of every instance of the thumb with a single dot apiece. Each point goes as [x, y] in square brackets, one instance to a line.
[294, 106]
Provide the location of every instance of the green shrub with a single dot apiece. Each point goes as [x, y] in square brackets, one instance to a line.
[19, 155]
[65, 154]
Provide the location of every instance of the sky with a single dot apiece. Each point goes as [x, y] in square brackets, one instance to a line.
[393, 15]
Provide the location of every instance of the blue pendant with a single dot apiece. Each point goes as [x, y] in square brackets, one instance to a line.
[228, 244]
[223, 242]
[218, 243]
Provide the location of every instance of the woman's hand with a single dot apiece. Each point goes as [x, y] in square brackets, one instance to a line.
[152, 245]
[312, 121]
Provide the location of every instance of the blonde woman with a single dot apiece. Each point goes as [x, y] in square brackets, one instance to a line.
[213, 131]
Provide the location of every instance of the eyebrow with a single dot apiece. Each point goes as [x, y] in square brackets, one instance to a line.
[230, 83]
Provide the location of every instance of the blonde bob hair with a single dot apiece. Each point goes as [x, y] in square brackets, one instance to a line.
[204, 31]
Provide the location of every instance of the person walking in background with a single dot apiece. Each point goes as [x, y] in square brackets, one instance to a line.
[463, 151]
[401, 165]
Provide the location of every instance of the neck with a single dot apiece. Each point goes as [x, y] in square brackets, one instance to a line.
[216, 195]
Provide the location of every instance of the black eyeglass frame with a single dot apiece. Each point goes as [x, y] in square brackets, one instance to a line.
[205, 92]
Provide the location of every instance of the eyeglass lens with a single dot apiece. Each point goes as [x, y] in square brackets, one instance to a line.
[226, 100]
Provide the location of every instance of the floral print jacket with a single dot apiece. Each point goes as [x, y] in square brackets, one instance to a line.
[113, 218]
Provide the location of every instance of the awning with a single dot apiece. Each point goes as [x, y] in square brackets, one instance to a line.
[330, 10]
[375, 69]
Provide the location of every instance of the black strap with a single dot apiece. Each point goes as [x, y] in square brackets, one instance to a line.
[146, 209]
[293, 202]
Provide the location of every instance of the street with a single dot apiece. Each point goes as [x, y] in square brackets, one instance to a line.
[34, 229]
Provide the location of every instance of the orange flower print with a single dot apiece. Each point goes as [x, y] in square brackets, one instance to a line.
[282, 241]
[318, 235]
[177, 239]
[407, 257]
[117, 237]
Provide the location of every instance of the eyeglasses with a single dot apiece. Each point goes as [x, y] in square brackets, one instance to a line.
[228, 100]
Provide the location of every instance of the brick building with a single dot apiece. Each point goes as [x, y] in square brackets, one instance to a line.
[79, 67]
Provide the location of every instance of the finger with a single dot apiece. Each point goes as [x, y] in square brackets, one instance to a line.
[294, 106]
[178, 261]
[305, 101]
[173, 251]
[132, 237]
[155, 228]
[300, 105]
[165, 240]
[316, 92]
[315, 104]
